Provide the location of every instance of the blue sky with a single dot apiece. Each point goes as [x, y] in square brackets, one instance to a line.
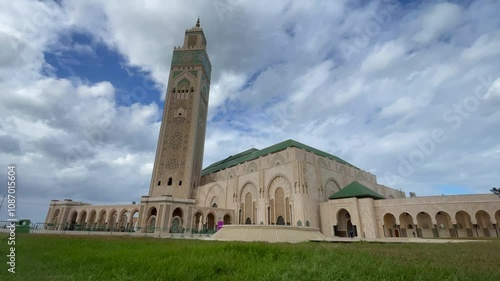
[408, 91]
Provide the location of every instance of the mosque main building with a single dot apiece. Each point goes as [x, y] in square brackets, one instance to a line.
[288, 184]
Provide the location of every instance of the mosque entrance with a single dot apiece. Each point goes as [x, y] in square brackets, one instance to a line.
[248, 221]
[177, 221]
[211, 222]
[344, 227]
[176, 225]
[152, 224]
[280, 221]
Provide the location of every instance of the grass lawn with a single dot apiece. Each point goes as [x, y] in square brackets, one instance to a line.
[44, 257]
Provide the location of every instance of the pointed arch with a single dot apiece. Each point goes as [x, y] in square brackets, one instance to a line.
[101, 219]
[72, 219]
[92, 218]
[391, 228]
[248, 186]
[278, 160]
[464, 224]
[216, 191]
[133, 219]
[444, 225]
[55, 216]
[425, 225]
[198, 220]
[484, 225]
[344, 224]
[407, 225]
[252, 167]
[331, 187]
[279, 180]
[112, 215]
[81, 221]
[177, 220]
[227, 218]
[322, 163]
[123, 218]
[211, 221]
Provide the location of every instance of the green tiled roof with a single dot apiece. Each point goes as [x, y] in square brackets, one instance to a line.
[355, 189]
[253, 153]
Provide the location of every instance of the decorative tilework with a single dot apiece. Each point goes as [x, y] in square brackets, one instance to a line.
[176, 73]
[192, 57]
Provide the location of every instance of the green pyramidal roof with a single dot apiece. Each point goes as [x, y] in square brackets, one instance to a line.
[355, 189]
[253, 153]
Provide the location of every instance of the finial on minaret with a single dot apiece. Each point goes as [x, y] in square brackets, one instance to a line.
[198, 22]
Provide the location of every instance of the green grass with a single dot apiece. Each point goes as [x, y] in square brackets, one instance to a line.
[44, 257]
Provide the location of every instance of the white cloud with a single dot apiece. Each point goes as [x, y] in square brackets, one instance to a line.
[488, 45]
[437, 20]
[384, 56]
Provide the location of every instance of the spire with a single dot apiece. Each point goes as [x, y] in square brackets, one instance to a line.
[198, 22]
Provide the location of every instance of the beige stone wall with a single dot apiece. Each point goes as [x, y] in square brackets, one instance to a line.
[73, 212]
[389, 193]
[439, 214]
[433, 216]
[292, 187]
[368, 218]
[259, 178]
[306, 178]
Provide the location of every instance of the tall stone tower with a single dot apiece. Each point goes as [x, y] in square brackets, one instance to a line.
[179, 153]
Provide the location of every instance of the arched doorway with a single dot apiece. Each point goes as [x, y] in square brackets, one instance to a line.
[122, 219]
[54, 221]
[248, 203]
[464, 224]
[82, 220]
[344, 225]
[211, 222]
[483, 224]
[151, 221]
[227, 219]
[407, 225]
[248, 211]
[101, 221]
[424, 223]
[112, 220]
[133, 220]
[92, 220]
[198, 222]
[444, 225]
[279, 207]
[177, 221]
[390, 225]
[331, 187]
[72, 220]
[280, 221]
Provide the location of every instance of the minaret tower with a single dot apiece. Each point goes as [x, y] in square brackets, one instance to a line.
[179, 153]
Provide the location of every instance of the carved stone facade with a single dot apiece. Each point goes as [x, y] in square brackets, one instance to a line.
[179, 155]
[287, 184]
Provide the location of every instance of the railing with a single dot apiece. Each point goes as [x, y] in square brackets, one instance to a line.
[68, 228]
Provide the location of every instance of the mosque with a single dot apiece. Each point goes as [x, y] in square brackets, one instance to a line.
[286, 185]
